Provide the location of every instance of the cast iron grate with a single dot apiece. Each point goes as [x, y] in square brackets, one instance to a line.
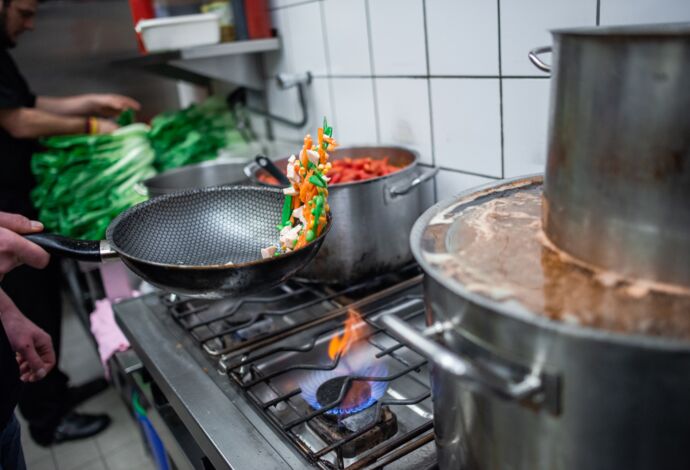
[224, 326]
[272, 375]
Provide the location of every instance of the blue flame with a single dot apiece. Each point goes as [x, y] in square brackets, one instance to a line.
[313, 381]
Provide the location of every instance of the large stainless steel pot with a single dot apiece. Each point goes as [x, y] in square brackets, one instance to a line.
[618, 171]
[200, 175]
[515, 390]
[370, 234]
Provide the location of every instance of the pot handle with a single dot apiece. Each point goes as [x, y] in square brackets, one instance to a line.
[272, 169]
[538, 63]
[530, 388]
[405, 188]
[82, 250]
[250, 171]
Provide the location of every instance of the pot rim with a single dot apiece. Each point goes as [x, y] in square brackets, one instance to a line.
[644, 30]
[636, 340]
[332, 187]
[153, 181]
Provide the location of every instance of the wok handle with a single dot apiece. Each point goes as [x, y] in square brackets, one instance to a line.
[529, 387]
[82, 250]
[538, 63]
[403, 189]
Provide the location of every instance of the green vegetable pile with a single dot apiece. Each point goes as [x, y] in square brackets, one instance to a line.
[86, 181]
[194, 134]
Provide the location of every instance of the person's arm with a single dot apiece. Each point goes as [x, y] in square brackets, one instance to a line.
[101, 105]
[31, 123]
[32, 345]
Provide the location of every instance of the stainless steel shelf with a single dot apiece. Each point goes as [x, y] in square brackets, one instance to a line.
[235, 62]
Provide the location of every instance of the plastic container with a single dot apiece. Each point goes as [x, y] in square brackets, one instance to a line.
[179, 32]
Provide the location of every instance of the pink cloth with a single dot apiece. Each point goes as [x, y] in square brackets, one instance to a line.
[108, 335]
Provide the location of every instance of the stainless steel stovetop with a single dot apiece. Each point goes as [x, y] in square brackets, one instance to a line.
[246, 376]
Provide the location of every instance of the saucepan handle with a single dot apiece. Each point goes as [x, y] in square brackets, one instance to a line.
[402, 189]
[250, 171]
[82, 250]
[538, 63]
[272, 169]
[528, 387]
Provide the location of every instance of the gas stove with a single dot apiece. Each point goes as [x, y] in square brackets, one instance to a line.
[301, 376]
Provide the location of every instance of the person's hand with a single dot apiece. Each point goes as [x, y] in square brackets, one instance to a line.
[110, 105]
[15, 249]
[106, 126]
[32, 346]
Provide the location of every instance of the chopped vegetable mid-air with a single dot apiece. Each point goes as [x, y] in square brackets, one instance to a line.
[305, 211]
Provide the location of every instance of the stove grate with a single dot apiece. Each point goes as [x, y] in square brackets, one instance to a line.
[269, 373]
[230, 325]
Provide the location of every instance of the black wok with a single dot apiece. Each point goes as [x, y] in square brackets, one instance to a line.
[201, 243]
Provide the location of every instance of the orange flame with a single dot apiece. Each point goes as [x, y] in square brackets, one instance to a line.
[355, 329]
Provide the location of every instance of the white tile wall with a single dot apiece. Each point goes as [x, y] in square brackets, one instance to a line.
[467, 124]
[463, 37]
[397, 37]
[403, 112]
[525, 122]
[305, 40]
[450, 183]
[348, 37]
[525, 25]
[644, 11]
[283, 103]
[286, 3]
[355, 116]
[279, 61]
[455, 122]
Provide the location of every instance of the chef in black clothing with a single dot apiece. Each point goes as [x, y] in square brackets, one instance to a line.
[26, 351]
[48, 404]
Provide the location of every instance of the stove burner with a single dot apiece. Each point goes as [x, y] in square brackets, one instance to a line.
[335, 431]
[323, 388]
[357, 396]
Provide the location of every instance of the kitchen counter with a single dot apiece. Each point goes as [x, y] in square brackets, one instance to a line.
[228, 430]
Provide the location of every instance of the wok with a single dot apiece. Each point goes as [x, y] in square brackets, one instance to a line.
[200, 243]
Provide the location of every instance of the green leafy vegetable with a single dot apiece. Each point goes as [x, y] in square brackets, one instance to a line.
[86, 181]
[194, 134]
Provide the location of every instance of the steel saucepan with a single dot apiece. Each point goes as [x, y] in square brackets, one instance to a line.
[375, 216]
[201, 175]
[200, 243]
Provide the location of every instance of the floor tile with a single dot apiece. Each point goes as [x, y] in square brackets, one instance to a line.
[97, 464]
[129, 457]
[46, 463]
[73, 455]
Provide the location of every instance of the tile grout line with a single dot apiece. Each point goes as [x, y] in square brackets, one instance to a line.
[598, 12]
[367, 12]
[500, 88]
[428, 90]
[53, 457]
[469, 173]
[296, 4]
[101, 454]
[425, 77]
[327, 51]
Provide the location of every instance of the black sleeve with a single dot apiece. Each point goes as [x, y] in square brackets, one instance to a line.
[14, 91]
[10, 98]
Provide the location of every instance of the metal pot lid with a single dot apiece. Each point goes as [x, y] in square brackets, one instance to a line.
[487, 246]
[638, 30]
